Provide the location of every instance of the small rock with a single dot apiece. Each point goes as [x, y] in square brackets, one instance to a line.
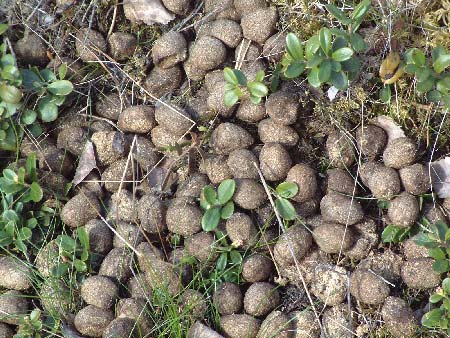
[13, 306]
[163, 81]
[260, 299]
[174, 119]
[413, 250]
[99, 291]
[400, 153]
[90, 45]
[241, 164]
[192, 186]
[282, 107]
[249, 194]
[92, 321]
[227, 31]
[333, 237]
[257, 268]
[337, 322]
[276, 325]
[330, 284]
[100, 236]
[183, 218]
[136, 310]
[137, 119]
[275, 161]
[239, 326]
[305, 178]
[383, 182]
[341, 209]
[169, 49]
[122, 45]
[305, 324]
[275, 47]
[117, 265]
[248, 6]
[415, 179]
[202, 246]
[72, 140]
[80, 209]
[127, 234]
[404, 210]
[418, 273]
[228, 298]
[250, 112]
[110, 146]
[340, 181]
[340, 150]
[241, 230]
[110, 106]
[228, 137]
[208, 53]
[367, 287]
[145, 153]
[371, 140]
[292, 245]
[14, 274]
[399, 318]
[179, 7]
[117, 174]
[259, 24]
[119, 327]
[31, 50]
[217, 169]
[386, 265]
[152, 213]
[271, 132]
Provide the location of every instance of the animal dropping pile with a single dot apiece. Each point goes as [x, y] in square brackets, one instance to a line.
[140, 200]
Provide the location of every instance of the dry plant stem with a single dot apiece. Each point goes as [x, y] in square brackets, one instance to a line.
[113, 21]
[283, 229]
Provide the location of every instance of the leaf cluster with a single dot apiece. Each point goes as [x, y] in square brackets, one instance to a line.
[328, 57]
[44, 92]
[237, 85]
[18, 188]
[437, 241]
[395, 234]
[430, 74]
[283, 193]
[30, 326]
[229, 264]
[74, 253]
[217, 205]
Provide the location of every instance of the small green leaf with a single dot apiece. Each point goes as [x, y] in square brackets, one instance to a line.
[385, 94]
[209, 194]
[257, 89]
[446, 285]
[227, 210]
[231, 97]
[259, 77]
[236, 257]
[361, 10]
[394, 234]
[287, 189]
[24, 234]
[441, 266]
[315, 61]
[48, 75]
[255, 99]
[325, 71]
[3, 28]
[30, 166]
[440, 229]
[339, 80]
[229, 76]
[338, 14]
[434, 96]
[313, 77]
[222, 261]
[294, 70]
[294, 47]
[48, 111]
[36, 193]
[325, 39]
[339, 43]
[437, 52]
[60, 87]
[435, 298]
[10, 175]
[431, 319]
[424, 240]
[79, 265]
[425, 86]
[342, 54]
[10, 94]
[31, 80]
[442, 62]
[211, 219]
[225, 191]
[418, 57]
[285, 209]
[60, 270]
[28, 117]
[437, 253]
[66, 243]
[242, 80]
[423, 73]
[358, 42]
[312, 45]
[62, 71]
[352, 65]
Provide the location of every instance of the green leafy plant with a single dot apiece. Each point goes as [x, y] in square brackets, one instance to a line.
[395, 234]
[283, 193]
[229, 264]
[237, 85]
[74, 253]
[42, 89]
[329, 57]
[30, 326]
[432, 80]
[437, 240]
[217, 205]
[19, 188]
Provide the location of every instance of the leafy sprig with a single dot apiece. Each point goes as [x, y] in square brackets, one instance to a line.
[237, 85]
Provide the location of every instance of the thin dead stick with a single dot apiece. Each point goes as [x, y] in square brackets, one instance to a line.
[283, 229]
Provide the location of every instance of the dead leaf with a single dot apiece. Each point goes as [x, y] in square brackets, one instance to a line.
[392, 129]
[147, 11]
[86, 164]
[440, 177]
